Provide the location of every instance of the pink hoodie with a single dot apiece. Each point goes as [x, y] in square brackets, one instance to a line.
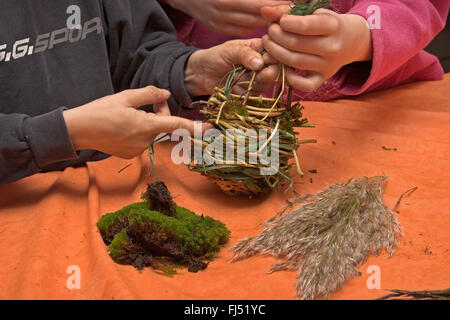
[406, 27]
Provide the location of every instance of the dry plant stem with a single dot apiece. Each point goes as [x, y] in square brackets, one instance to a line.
[220, 112]
[289, 99]
[283, 80]
[270, 138]
[407, 192]
[297, 162]
[250, 88]
[276, 85]
[243, 83]
[236, 96]
[252, 110]
[239, 76]
[417, 295]
[328, 235]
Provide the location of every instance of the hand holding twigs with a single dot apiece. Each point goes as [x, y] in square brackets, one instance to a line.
[206, 68]
[320, 43]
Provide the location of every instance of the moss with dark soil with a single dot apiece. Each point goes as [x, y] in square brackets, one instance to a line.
[141, 236]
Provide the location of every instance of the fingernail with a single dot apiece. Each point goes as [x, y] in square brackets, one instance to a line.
[257, 63]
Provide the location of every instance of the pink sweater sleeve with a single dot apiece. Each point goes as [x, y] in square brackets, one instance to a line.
[405, 28]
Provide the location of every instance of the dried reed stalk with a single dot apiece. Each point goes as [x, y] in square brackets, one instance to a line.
[417, 295]
[329, 236]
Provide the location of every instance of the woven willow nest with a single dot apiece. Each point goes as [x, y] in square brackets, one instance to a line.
[229, 110]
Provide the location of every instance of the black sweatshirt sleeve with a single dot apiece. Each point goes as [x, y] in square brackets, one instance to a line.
[144, 49]
[28, 144]
[141, 45]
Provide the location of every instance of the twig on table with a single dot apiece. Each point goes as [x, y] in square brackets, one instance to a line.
[124, 168]
[407, 192]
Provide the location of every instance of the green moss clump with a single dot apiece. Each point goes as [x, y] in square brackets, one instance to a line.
[117, 246]
[139, 236]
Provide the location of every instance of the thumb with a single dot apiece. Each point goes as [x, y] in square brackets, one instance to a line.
[141, 97]
[274, 14]
[245, 52]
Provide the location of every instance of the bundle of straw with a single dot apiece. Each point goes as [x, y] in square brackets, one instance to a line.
[244, 112]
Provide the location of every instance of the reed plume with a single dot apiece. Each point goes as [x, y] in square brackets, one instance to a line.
[329, 236]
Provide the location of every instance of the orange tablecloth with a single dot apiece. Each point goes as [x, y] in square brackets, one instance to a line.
[47, 222]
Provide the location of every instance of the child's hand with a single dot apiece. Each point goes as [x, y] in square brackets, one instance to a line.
[231, 17]
[321, 43]
[115, 126]
[206, 68]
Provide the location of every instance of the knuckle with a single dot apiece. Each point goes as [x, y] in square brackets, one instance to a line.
[308, 87]
[304, 24]
[335, 22]
[214, 26]
[252, 21]
[284, 21]
[312, 86]
[294, 60]
[245, 51]
[150, 116]
[219, 19]
[222, 4]
[316, 86]
[334, 48]
[153, 90]
[232, 45]
[176, 124]
[291, 42]
[274, 31]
